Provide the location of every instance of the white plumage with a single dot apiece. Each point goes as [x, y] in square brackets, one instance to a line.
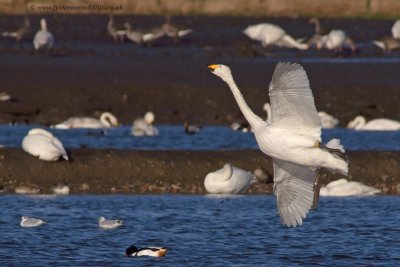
[109, 224]
[360, 123]
[396, 29]
[27, 222]
[335, 40]
[42, 144]
[144, 126]
[344, 188]
[270, 34]
[327, 120]
[292, 139]
[229, 180]
[43, 38]
[107, 120]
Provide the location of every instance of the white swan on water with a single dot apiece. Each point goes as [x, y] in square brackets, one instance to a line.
[107, 120]
[43, 38]
[229, 180]
[144, 126]
[270, 34]
[360, 123]
[344, 188]
[293, 139]
[335, 40]
[42, 144]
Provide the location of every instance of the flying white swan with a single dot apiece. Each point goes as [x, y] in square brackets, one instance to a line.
[293, 139]
[327, 120]
[144, 126]
[396, 29]
[360, 123]
[270, 34]
[43, 38]
[344, 188]
[229, 180]
[335, 40]
[21, 32]
[107, 120]
[387, 44]
[42, 144]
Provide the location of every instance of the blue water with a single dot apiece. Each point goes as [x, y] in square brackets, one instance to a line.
[199, 230]
[210, 138]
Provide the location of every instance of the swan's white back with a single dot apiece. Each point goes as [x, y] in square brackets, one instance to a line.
[342, 188]
[229, 180]
[43, 38]
[107, 120]
[265, 32]
[144, 126]
[41, 143]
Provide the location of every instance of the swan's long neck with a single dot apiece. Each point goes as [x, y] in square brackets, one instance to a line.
[252, 118]
[360, 123]
[317, 26]
[43, 25]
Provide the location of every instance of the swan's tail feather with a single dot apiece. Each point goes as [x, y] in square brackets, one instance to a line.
[9, 34]
[65, 156]
[293, 43]
[335, 144]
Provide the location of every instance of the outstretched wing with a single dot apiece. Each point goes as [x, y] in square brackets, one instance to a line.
[292, 101]
[294, 190]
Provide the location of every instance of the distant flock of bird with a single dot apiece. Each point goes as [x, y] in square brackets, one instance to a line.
[266, 33]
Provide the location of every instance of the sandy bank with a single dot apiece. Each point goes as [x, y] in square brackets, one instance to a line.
[119, 171]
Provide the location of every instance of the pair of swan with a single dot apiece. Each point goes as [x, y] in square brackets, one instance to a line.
[327, 120]
[42, 144]
[344, 188]
[43, 38]
[331, 39]
[107, 120]
[360, 123]
[21, 32]
[144, 126]
[390, 43]
[292, 139]
[229, 180]
[270, 34]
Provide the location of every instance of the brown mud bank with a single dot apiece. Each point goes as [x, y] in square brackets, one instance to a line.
[121, 171]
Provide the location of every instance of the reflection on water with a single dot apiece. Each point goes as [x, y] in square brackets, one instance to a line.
[209, 138]
[240, 231]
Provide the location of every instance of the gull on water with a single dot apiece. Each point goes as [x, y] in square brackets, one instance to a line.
[229, 180]
[381, 124]
[107, 120]
[43, 38]
[27, 222]
[133, 251]
[144, 126]
[292, 139]
[42, 144]
[109, 224]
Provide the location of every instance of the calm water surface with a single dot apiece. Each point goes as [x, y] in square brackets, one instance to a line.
[209, 138]
[199, 230]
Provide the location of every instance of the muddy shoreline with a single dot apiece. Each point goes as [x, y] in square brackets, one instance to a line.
[109, 171]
